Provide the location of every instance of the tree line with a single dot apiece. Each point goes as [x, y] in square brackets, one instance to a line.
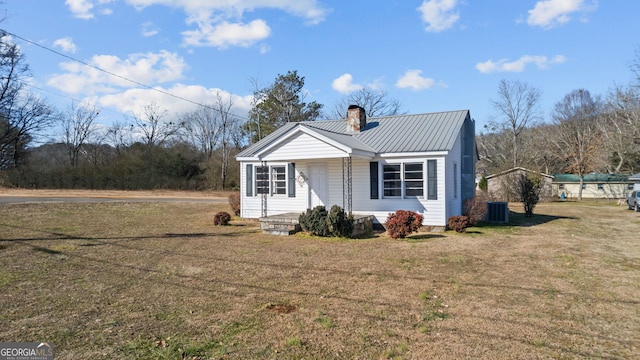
[583, 134]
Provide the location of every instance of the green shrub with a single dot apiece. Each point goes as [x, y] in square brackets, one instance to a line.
[319, 222]
[314, 221]
[221, 218]
[234, 202]
[483, 184]
[339, 223]
[458, 223]
[402, 223]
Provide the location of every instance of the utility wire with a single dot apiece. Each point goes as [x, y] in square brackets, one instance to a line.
[77, 100]
[5, 32]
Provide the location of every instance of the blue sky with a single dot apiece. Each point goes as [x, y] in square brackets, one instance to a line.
[434, 55]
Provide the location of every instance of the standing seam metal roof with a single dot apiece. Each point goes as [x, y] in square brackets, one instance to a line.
[389, 134]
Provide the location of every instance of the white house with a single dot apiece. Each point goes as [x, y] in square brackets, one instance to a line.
[423, 163]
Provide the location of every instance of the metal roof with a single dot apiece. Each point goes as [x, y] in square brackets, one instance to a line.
[592, 178]
[388, 134]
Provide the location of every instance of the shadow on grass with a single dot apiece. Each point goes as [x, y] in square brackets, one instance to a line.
[53, 235]
[519, 219]
[422, 238]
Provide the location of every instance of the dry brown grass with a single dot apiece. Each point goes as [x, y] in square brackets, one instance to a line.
[158, 280]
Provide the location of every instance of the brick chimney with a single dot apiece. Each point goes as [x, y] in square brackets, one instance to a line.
[356, 118]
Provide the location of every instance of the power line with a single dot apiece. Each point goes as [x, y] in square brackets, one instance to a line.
[78, 100]
[4, 32]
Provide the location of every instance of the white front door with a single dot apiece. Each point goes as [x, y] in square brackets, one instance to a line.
[318, 189]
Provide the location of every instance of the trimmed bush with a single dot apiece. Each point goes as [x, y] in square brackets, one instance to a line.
[475, 209]
[221, 218]
[458, 223]
[402, 223]
[319, 222]
[339, 223]
[314, 221]
[234, 202]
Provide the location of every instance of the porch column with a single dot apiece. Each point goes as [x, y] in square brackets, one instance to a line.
[347, 185]
[263, 197]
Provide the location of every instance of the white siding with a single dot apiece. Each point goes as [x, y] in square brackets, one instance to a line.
[432, 210]
[591, 191]
[251, 207]
[302, 146]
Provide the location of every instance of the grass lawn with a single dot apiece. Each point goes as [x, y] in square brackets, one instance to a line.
[156, 280]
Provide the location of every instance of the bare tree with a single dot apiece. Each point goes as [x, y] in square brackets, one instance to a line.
[29, 116]
[228, 127]
[620, 127]
[119, 135]
[518, 107]
[153, 125]
[202, 127]
[578, 136]
[13, 69]
[77, 126]
[374, 102]
[22, 116]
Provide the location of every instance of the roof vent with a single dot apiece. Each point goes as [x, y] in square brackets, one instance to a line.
[356, 118]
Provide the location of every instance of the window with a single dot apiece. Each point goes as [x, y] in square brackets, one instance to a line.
[392, 183]
[432, 180]
[629, 186]
[262, 180]
[413, 180]
[455, 181]
[272, 180]
[399, 179]
[561, 186]
[278, 180]
[600, 186]
[584, 186]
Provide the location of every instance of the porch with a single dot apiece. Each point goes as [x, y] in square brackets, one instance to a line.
[287, 224]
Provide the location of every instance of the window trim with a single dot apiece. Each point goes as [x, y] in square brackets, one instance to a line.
[267, 184]
[400, 171]
[404, 180]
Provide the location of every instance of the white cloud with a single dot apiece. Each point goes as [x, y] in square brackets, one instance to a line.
[83, 9]
[219, 23]
[551, 13]
[344, 84]
[149, 29]
[439, 15]
[147, 68]
[224, 34]
[66, 44]
[132, 100]
[413, 79]
[504, 65]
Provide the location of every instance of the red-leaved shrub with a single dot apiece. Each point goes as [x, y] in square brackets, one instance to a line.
[234, 202]
[221, 218]
[402, 223]
[458, 223]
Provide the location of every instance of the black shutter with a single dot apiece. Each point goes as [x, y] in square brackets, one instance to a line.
[249, 180]
[292, 179]
[373, 176]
